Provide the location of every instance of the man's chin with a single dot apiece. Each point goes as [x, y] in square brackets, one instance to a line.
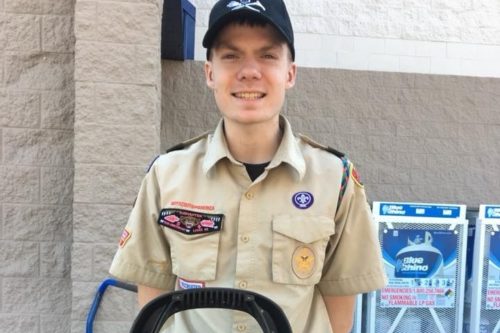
[250, 118]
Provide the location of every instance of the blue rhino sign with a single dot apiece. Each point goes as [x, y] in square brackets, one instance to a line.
[421, 266]
[419, 259]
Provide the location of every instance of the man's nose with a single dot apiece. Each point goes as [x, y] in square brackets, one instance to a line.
[250, 70]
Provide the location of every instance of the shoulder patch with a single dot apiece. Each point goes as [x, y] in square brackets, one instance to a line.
[321, 146]
[355, 176]
[187, 143]
[125, 236]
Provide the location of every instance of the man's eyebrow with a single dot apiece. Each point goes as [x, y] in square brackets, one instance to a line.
[230, 46]
[270, 47]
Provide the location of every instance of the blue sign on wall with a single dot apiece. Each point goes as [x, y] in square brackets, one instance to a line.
[492, 212]
[419, 210]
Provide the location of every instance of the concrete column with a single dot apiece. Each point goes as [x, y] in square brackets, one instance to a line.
[36, 164]
[117, 122]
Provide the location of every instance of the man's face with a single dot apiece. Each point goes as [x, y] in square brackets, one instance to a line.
[249, 71]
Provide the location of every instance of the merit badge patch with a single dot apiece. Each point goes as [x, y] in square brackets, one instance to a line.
[355, 176]
[187, 284]
[302, 200]
[189, 222]
[126, 234]
[303, 262]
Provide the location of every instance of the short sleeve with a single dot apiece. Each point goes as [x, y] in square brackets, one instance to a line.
[353, 261]
[143, 255]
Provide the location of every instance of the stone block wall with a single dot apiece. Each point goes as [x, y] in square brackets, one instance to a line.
[36, 164]
[117, 124]
[413, 137]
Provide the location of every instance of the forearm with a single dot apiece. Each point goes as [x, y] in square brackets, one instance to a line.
[340, 311]
[146, 294]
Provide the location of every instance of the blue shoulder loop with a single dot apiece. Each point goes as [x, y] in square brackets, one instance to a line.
[345, 179]
[151, 164]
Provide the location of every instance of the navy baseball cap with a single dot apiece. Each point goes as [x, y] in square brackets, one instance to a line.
[271, 11]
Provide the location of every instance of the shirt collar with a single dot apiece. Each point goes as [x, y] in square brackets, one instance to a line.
[217, 148]
[288, 150]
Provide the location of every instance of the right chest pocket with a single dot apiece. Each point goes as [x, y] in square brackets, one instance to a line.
[299, 245]
[194, 242]
[194, 257]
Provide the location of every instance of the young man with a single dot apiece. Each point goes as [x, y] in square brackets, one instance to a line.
[253, 206]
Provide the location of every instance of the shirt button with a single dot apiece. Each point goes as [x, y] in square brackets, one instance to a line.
[249, 195]
[245, 238]
[243, 284]
[241, 327]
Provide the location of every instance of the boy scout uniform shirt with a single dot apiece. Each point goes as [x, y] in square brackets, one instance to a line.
[199, 221]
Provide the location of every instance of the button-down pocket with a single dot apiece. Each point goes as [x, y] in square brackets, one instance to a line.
[194, 257]
[299, 244]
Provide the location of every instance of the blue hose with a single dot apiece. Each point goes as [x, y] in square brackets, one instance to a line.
[98, 297]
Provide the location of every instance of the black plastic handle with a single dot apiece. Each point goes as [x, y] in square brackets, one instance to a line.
[267, 313]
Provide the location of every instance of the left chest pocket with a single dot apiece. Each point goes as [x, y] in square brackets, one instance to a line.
[299, 244]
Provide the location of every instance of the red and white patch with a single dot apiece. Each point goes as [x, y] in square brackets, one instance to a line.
[207, 223]
[172, 218]
[189, 222]
[189, 284]
[126, 234]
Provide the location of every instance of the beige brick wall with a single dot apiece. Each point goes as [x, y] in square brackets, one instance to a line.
[36, 164]
[117, 125]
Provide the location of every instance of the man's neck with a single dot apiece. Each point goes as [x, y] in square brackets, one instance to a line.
[254, 144]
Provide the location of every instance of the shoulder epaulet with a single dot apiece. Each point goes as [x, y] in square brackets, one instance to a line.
[346, 171]
[150, 164]
[187, 143]
[319, 145]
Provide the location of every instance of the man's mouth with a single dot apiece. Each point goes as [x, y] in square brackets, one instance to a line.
[249, 95]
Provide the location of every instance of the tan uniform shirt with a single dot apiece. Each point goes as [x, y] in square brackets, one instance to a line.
[200, 221]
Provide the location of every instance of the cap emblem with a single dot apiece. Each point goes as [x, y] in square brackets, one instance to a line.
[235, 5]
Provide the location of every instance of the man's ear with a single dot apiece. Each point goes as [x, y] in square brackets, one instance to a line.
[209, 74]
[291, 75]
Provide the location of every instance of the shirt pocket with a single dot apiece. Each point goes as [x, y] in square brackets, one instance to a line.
[194, 257]
[299, 244]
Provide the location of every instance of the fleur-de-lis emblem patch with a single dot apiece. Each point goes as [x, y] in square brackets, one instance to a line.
[256, 6]
[303, 200]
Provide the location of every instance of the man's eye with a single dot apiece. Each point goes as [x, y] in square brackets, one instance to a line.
[229, 56]
[269, 56]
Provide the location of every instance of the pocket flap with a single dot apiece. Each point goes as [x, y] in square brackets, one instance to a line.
[305, 229]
